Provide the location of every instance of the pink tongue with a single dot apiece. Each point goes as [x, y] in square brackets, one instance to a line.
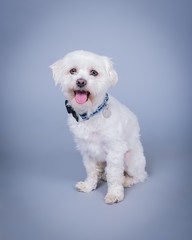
[81, 97]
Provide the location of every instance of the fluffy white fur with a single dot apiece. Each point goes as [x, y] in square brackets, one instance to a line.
[110, 146]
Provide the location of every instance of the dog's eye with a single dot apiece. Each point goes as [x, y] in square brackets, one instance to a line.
[73, 70]
[94, 73]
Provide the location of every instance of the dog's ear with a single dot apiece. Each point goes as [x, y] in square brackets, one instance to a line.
[57, 70]
[111, 71]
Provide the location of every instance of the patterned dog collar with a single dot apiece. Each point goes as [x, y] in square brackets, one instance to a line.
[85, 116]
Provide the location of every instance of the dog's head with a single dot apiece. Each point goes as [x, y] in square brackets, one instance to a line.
[84, 78]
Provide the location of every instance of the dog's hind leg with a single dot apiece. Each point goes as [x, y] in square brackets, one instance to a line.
[134, 162]
[129, 181]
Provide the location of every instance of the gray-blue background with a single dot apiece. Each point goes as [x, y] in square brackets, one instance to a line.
[150, 44]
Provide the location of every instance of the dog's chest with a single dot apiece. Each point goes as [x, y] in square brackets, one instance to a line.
[94, 145]
[90, 139]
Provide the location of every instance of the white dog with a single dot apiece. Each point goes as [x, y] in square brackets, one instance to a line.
[106, 132]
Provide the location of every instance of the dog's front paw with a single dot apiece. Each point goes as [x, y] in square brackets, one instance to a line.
[114, 197]
[85, 186]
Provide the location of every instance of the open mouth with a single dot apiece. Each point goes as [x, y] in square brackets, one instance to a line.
[81, 97]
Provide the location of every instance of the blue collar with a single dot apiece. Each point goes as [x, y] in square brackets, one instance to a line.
[85, 116]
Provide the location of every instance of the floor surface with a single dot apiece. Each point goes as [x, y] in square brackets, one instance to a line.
[38, 201]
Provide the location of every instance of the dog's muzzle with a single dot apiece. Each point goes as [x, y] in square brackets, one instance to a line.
[81, 95]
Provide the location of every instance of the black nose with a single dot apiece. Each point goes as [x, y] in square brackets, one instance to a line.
[81, 82]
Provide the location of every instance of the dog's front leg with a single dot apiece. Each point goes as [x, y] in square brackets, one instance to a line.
[115, 178]
[90, 182]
